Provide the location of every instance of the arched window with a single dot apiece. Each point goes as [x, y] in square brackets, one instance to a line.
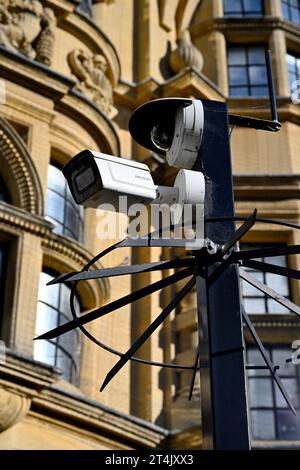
[61, 209]
[4, 196]
[53, 310]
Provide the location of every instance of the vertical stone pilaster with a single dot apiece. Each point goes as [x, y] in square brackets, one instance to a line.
[29, 266]
[142, 31]
[278, 46]
[221, 60]
[40, 150]
[273, 7]
[218, 8]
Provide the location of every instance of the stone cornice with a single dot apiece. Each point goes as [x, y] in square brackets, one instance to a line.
[22, 220]
[188, 83]
[260, 26]
[56, 404]
[276, 321]
[19, 220]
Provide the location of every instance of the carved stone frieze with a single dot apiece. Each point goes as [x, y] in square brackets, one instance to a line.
[91, 73]
[26, 26]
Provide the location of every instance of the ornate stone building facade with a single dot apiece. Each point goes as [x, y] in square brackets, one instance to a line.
[71, 74]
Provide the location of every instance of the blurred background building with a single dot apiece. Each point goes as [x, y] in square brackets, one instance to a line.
[71, 74]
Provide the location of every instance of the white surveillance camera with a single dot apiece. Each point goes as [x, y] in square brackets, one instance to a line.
[172, 127]
[95, 178]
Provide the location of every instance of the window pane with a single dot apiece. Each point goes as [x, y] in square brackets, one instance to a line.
[61, 209]
[293, 69]
[238, 76]
[288, 425]
[260, 392]
[259, 91]
[253, 5]
[278, 260]
[250, 291]
[262, 424]
[291, 62]
[44, 351]
[56, 179]
[72, 219]
[48, 294]
[245, 71]
[232, 6]
[64, 363]
[46, 319]
[257, 274]
[279, 421]
[256, 55]
[243, 7]
[278, 283]
[279, 357]
[253, 306]
[295, 17]
[64, 305]
[254, 358]
[68, 343]
[56, 351]
[258, 75]
[237, 56]
[275, 307]
[239, 91]
[291, 10]
[55, 206]
[285, 10]
[291, 387]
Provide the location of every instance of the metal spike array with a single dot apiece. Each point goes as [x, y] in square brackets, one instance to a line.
[189, 267]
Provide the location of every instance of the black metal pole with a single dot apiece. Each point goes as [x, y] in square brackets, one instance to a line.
[272, 94]
[222, 371]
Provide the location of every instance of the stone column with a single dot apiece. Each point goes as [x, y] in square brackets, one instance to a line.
[273, 7]
[28, 268]
[278, 46]
[220, 50]
[218, 8]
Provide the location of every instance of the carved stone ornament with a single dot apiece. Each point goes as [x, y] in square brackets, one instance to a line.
[12, 408]
[186, 55]
[91, 72]
[27, 27]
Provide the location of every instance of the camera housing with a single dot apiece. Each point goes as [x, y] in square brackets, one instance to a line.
[172, 127]
[96, 178]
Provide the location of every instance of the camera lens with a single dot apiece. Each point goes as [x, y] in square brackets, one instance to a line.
[162, 136]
